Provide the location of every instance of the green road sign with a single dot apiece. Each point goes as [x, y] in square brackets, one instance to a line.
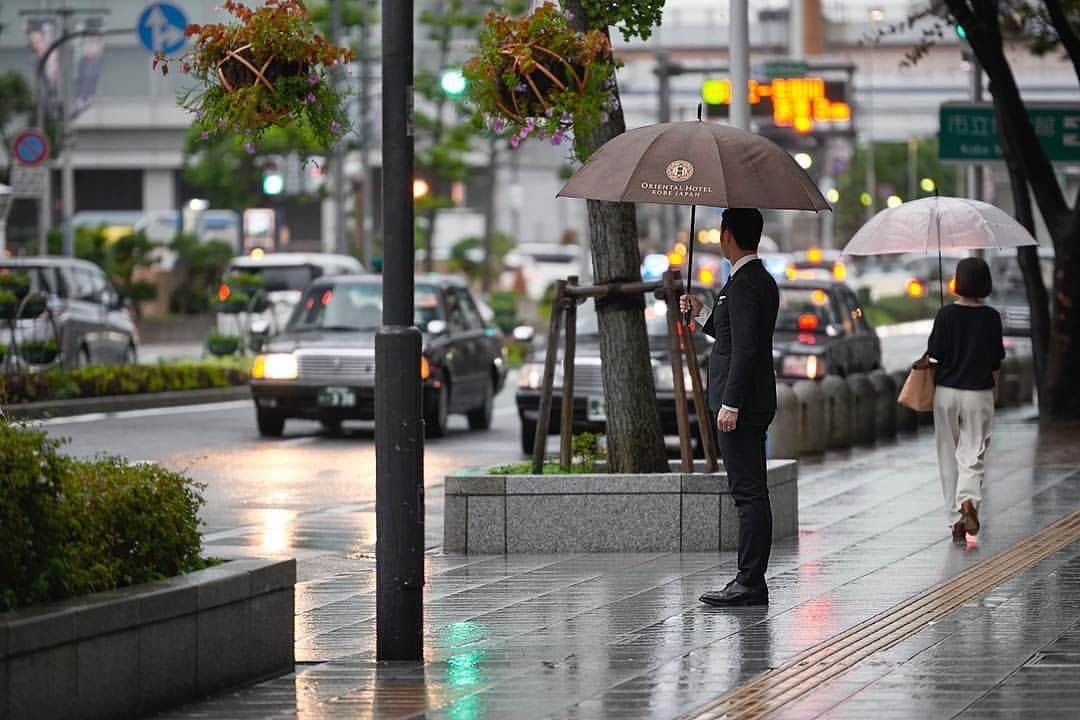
[784, 68]
[968, 131]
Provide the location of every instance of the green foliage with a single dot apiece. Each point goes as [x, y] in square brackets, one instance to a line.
[203, 263]
[39, 352]
[635, 18]
[105, 380]
[587, 450]
[16, 284]
[501, 244]
[221, 345]
[505, 306]
[586, 453]
[536, 76]
[70, 527]
[899, 309]
[16, 98]
[293, 86]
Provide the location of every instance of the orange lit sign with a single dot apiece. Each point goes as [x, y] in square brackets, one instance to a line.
[796, 102]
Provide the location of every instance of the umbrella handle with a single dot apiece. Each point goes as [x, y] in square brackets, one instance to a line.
[690, 261]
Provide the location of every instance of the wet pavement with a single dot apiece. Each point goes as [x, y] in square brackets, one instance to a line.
[623, 636]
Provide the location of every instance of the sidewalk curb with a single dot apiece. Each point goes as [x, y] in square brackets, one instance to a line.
[120, 403]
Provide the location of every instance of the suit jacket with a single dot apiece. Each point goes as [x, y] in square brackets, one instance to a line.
[741, 364]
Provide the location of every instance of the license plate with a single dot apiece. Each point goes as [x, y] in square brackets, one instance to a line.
[336, 397]
[595, 410]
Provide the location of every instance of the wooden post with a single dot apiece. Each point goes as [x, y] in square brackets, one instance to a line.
[701, 408]
[566, 421]
[543, 418]
[672, 290]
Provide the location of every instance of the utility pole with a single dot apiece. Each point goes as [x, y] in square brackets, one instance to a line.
[876, 16]
[663, 89]
[67, 129]
[740, 64]
[368, 226]
[337, 162]
[399, 428]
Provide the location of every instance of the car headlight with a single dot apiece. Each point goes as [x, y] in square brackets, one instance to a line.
[275, 366]
[811, 367]
[532, 376]
[664, 377]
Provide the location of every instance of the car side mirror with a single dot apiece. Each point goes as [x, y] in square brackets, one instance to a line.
[524, 333]
[436, 327]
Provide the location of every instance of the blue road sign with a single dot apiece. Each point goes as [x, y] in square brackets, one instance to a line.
[161, 28]
[30, 148]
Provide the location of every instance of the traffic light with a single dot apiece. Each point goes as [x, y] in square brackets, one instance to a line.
[273, 181]
[453, 82]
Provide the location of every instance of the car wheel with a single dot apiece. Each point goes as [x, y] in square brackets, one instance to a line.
[131, 357]
[270, 422]
[436, 418]
[333, 427]
[528, 436]
[480, 417]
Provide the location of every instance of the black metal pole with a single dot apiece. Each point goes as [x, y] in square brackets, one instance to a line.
[690, 260]
[399, 428]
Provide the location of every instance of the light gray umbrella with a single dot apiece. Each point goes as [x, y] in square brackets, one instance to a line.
[695, 163]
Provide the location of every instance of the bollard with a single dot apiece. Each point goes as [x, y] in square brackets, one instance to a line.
[1008, 392]
[783, 437]
[1027, 379]
[907, 420]
[863, 404]
[837, 411]
[885, 404]
[813, 422]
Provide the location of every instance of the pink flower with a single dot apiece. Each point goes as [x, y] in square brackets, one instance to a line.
[310, 98]
[205, 135]
[335, 126]
[515, 141]
[313, 79]
[249, 148]
[498, 125]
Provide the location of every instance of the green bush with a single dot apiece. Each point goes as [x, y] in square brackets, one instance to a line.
[504, 306]
[70, 527]
[103, 380]
[899, 309]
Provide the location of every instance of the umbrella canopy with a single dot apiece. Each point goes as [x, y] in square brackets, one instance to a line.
[695, 163]
[938, 224]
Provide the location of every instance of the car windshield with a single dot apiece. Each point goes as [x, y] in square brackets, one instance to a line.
[655, 319]
[355, 307]
[805, 309]
[283, 277]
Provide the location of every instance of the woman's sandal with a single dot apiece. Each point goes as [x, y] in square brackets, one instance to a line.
[971, 517]
[959, 534]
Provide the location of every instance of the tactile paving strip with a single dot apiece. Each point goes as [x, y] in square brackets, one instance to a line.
[841, 653]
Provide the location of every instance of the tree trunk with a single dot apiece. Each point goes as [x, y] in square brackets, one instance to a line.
[635, 439]
[1063, 368]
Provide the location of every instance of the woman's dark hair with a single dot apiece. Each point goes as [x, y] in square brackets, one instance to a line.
[973, 278]
[745, 225]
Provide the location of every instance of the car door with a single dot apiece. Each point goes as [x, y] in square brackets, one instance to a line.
[463, 355]
[488, 342]
[87, 317]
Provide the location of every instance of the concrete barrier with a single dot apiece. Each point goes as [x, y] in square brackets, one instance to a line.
[907, 420]
[863, 405]
[784, 431]
[813, 423]
[885, 404]
[1026, 392]
[837, 411]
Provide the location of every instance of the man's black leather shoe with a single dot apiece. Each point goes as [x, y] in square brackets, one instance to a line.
[736, 595]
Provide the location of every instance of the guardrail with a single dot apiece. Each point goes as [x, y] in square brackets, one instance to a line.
[835, 413]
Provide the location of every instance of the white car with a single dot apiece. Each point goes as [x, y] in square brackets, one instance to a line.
[541, 264]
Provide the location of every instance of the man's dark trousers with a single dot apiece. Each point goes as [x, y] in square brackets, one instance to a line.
[743, 451]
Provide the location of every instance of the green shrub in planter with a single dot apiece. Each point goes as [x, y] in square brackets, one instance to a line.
[504, 306]
[235, 302]
[39, 352]
[17, 283]
[220, 345]
[9, 304]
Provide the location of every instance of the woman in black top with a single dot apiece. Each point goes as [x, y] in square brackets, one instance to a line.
[966, 349]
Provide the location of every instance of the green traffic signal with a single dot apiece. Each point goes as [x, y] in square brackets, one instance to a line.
[453, 82]
[273, 183]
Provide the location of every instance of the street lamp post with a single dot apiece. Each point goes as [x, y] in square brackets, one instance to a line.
[399, 428]
[876, 16]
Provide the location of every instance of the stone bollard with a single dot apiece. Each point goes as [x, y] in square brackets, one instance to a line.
[1026, 387]
[813, 420]
[885, 404]
[863, 404]
[1008, 392]
[784, 430]
[907, 420]
[837, 411]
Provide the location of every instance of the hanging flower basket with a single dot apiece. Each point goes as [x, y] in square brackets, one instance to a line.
[535, 76]
[39, 352]
[267, 68]
[221, 345]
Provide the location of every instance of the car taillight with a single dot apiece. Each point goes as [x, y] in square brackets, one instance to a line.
[808, 321]
[839, 271]
[425, 368]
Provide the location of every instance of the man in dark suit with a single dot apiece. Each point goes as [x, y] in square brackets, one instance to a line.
[742, 395]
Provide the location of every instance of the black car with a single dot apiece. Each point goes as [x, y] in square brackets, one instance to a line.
[821, 330]
[589, 409]
[322, 366]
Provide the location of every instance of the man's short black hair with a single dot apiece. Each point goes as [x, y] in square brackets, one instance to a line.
[973, 278]
[745, 225]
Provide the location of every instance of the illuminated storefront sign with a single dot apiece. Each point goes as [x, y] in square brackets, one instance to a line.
[797, 103]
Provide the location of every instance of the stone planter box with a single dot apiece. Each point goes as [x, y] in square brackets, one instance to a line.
[131, 652]
[659, 512]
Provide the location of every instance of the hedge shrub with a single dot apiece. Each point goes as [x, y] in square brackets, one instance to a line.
[103, 380]
[70, 527]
